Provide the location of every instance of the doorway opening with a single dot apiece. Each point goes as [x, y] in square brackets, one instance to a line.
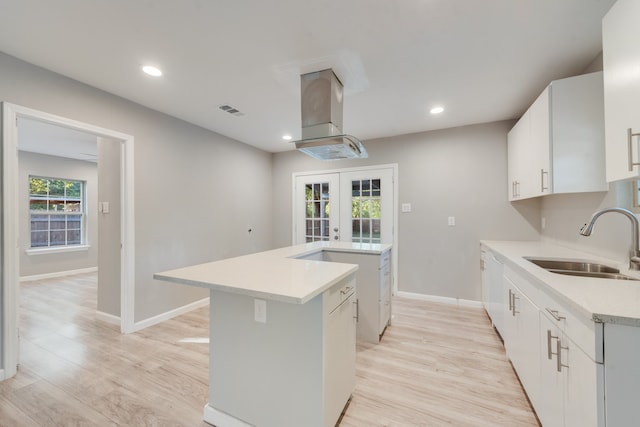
[10, 254]
[348, 205]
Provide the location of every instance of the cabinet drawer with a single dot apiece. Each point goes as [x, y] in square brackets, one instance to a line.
[339, 293]
[585, 334]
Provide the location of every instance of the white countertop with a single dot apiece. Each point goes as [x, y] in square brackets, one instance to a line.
[599, 300]
[274, 275]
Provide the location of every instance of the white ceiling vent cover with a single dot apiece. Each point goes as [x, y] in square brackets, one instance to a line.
[321, 111]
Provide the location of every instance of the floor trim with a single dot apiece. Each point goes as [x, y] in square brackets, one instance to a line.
[446, 300]
[221, 419]
[108, 318]
[58, 274]
[138, 326]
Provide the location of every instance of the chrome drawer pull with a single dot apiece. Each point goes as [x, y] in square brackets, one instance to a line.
[559, 349]
[555, 314]
[549, 338]
[346, 290]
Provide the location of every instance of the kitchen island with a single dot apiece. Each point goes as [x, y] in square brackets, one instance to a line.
[282, 335]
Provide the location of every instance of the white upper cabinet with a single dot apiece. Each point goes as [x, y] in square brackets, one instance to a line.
[621, 57]
[558, 144]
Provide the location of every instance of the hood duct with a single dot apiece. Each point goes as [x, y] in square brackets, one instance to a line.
[321, 110]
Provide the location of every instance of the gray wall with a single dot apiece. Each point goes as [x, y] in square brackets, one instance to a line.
[56, 167]
[196, 192]
[109, 226]
[459, 172]
[565, 213]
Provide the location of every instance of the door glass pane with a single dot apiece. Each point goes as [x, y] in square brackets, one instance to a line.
[317, 211]
[365, 210]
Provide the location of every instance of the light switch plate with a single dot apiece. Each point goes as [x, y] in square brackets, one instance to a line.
[406, 207]
[451, 221]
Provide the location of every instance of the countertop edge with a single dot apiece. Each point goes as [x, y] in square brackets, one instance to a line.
[587, 313]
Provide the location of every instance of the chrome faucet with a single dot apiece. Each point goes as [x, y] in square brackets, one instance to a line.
[634, 257]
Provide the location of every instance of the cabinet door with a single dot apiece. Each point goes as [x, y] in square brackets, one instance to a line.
[497, 299]
[550, 406]
[385, 297]
[518, 139]
[521, 338]
[539, 158]
[340, 360]
[584, 387]
[527, 357]
[621, 53]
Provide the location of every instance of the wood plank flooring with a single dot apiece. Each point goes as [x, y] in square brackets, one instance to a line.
[437, 365]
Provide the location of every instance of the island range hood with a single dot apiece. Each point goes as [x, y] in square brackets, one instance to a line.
[321, 110]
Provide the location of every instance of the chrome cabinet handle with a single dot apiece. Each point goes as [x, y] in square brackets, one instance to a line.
[357, 316]
[559, 349]
[555, 314]
[510, 301]
[542, 174]
[549, 338]
[346, 290]
[630, 136]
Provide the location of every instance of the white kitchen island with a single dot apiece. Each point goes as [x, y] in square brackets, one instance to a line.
[282, 335]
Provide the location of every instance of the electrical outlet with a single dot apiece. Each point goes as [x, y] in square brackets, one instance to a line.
[260, 310]
[406, 207]
[451, 221]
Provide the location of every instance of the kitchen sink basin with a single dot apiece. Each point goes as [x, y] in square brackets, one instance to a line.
[579, 268]
[572, 265]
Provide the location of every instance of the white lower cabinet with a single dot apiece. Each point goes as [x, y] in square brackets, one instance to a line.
[493, 296]
[572, 382]
[521, 336]
[558, 356]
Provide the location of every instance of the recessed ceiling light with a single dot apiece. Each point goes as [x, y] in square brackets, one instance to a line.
[152, 71]
[436, 110]
[287, 137]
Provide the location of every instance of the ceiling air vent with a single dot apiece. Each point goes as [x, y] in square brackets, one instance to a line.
[231, 110]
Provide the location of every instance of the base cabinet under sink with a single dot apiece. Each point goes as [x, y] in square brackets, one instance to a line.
[571, 383]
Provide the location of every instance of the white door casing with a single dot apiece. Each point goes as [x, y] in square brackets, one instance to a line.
[10, 239]
[344, 177]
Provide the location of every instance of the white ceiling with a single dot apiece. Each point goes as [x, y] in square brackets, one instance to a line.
[483, 60]
[40, 137]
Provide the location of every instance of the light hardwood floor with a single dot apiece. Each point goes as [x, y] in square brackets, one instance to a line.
[437, 365]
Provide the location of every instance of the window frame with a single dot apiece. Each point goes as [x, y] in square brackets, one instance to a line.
[82, 213]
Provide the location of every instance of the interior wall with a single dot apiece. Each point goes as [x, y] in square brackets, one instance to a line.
[109, 226]
[56, 167]
[196, 192]
[565, 214]
[460, 172]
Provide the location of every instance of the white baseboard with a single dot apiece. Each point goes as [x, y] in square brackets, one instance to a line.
[2, 375]
[445, 300]
[219, 418]
[108, 318]
[138, 326]
[58, 274]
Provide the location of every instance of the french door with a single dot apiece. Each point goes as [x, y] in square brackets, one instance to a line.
[349, 206]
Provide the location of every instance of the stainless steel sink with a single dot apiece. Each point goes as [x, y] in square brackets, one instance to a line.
[579, 268]
[616, 276]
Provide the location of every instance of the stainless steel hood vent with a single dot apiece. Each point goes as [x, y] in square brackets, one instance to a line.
[321, 110]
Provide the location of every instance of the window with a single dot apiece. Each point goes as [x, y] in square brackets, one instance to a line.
[57, 211]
